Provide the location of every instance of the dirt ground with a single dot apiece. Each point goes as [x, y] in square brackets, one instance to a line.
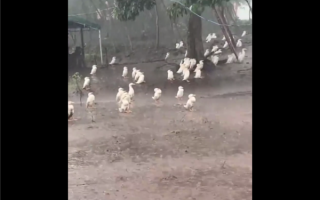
[164, 152]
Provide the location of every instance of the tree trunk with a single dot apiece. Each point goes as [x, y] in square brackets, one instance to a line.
[249, 5]
[128, 36]
[194, 39]
[224, 31]
[157, 26]
[227, 27]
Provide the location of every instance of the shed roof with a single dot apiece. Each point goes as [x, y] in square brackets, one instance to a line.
[77, 22]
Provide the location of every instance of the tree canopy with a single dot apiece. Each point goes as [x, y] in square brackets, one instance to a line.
[129, 9]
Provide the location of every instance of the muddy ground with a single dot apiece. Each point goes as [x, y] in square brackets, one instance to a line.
[165, 152]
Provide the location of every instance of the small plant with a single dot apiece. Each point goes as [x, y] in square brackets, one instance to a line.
[74, 85]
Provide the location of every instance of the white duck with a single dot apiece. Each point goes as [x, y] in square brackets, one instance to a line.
[206, 52]
[224, 38]
[157, 94]
[214, 48]
[131, 91]
[170, 75]
[125, 72]
[124, 103]
[167, 56]
[244, 33]
[179, 93]
[138, 72]
[121, 97]
[90, 100]
[213, 36]
[190, 103]
[208, 38]
[93, 70]
[177, 45]
[180, 44]
[133, 72]
[242, 55]
[239, 43]
[70, 109]
[200, 65]
[141, 78]
[182, 66]
[113, 60]
[120, 92]
[86, 83]
[230, 58]
[234, 58]
[215, 59]
[217, 52]
[186, 74]
[198, 73]
[225, 45]
[193, 62]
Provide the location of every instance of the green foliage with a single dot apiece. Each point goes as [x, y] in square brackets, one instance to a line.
[76, 77]
[198, 6]
[129, 9]
[72, 84]
[176, 11]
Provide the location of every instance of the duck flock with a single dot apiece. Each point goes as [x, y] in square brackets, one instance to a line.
[124, 98]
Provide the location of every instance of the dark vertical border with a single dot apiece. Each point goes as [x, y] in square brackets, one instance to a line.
[34, 133]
